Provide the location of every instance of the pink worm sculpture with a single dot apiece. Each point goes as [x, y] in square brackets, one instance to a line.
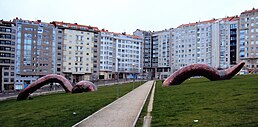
[202, 70]
[84, 86]
[79, 87]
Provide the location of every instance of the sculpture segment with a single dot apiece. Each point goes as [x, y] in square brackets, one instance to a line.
[202, 70]
[43, 81]
[82, 86]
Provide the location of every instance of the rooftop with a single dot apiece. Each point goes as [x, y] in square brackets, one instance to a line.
[249, 11]
[122, 34]
[228, 18]
[75, 26]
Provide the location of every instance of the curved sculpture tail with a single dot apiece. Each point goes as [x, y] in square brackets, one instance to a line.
[201, 70]
[43, 81]
[82, 86]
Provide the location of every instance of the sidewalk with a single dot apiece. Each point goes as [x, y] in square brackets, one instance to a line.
[121, 113]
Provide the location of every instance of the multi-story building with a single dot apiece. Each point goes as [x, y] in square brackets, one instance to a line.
[156, 53]
[120, 53]
[224, 42]
[80, 46]
[211, 42]
[192, 43]
[248, 38]
[148, 71]
[107, 55]
[233, 40]
[7, 55]
[35, 51]
[184, 39]
[161, 44]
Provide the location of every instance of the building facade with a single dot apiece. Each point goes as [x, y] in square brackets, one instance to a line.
[148, 71]
[192, 43]
[120, 56]
[248, 39]
[35, 51]
[7, 55]
[80, 51]
[161, 54]
[211, 42]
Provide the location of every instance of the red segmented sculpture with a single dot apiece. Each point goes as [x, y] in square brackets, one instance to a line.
[57, 79]
[202, 70]
[84, 86]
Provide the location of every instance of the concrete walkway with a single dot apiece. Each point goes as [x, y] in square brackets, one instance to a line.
[123, 112]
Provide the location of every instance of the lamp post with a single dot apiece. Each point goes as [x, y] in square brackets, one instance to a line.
[140, 75]
[133, 75]
[117, 89]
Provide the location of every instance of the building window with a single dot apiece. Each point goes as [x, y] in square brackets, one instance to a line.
[6, 73]
[6, 80]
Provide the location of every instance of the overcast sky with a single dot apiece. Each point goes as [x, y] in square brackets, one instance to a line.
[124, 15]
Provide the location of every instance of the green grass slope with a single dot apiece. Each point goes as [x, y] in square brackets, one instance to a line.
[229, 103]
[56, 110]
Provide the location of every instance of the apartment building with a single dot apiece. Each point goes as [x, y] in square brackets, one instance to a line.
[233, 40]
[120, 55]
[35, 51]
[184, 43]
[192, 44]
[148, 71]
[80, 46]
[224, 39]
[107, 55]
[248, 38]
[161, 53]
[211, 42]
[7, 55]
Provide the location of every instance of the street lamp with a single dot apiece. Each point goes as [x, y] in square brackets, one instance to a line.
[117, 89]
[133, 75]
[141, 75]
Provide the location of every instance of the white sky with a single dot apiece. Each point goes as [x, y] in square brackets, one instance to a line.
[124, 15]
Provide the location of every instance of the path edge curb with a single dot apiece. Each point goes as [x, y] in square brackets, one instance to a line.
[138, 115]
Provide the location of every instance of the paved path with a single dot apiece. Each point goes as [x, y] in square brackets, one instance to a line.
[121, 113]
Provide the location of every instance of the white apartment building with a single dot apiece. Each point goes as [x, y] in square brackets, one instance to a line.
[120, 54]
[248, 38]
[107, 55]
[223, 42]
[207, 42]
[80, 51]
[184, 43]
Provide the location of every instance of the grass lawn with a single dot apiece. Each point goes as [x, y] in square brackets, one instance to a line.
[230, 103]
[57, 109]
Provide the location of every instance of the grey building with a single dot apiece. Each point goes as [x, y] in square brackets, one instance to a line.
[148, 70]
[248, 38]
[7, 55]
